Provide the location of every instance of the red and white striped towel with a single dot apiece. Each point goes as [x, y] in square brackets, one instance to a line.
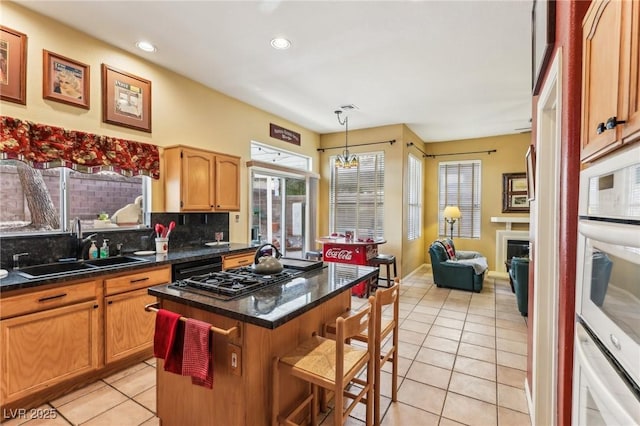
[196, 355]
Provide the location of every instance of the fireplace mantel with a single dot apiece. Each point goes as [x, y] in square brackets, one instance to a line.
[508, 220]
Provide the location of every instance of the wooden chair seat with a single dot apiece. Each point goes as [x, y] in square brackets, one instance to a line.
[316, 358]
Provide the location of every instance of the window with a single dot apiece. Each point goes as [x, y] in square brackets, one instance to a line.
[414, 214]
[356, 197]
[459, 185]
[72, 194]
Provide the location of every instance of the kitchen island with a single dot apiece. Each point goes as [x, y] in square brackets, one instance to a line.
[263, 324]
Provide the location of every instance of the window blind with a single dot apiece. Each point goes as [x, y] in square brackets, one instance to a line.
[459, 185]
[414, 213]
[356, 197]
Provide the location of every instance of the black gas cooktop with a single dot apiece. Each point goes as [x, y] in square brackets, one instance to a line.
[233, 283]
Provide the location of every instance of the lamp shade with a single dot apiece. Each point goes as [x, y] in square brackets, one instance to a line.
[452, 212]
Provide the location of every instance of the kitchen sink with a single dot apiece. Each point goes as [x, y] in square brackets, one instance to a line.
[112, 261]
[69, 268]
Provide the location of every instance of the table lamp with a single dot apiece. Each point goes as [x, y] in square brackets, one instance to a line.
[451, 214]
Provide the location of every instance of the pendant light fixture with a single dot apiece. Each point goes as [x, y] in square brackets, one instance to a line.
[345, 160]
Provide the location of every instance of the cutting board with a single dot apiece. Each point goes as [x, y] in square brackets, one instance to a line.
[300, 264]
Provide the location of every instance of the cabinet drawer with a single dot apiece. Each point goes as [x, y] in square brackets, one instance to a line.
[133, 281]
[236, 260]
[52, 297]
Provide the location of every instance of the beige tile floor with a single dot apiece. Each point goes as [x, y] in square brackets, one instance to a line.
[462, 362]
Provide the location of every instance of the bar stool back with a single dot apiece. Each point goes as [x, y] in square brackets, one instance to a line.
[332, 365]
[386, 325]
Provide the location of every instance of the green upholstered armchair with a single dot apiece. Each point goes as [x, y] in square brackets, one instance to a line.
[451, 269]
[520, 276]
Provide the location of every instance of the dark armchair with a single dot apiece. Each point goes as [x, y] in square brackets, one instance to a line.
[520, 276]
[463, 270]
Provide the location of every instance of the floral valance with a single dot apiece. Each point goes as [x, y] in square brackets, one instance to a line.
[43, 146]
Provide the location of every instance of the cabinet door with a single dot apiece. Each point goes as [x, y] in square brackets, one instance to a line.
[46, 348]
[601, 76]
[631, 130]
[197, 180]
[227, 181]
[128, 327]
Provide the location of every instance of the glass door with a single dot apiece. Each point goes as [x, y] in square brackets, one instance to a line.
[278, 207]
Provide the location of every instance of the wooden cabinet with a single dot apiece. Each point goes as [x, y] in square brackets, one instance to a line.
[198, 180]
[128, 327]
[48, 337]
[610, 81]
[237, 259]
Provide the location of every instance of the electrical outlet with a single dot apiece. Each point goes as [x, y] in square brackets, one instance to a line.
[237, 218]
[234, 353]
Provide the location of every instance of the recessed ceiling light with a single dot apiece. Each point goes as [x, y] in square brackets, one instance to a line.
[280, 43]
[146, 46]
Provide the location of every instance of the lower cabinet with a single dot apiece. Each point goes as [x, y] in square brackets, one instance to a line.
[49, 347]
[57, 336]
[128, 327]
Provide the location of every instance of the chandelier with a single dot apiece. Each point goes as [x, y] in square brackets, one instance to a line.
[345, 160]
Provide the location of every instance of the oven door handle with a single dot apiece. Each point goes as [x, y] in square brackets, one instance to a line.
[612, 233]
[588, 354]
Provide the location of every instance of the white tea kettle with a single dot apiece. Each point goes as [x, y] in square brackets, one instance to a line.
[267, 264]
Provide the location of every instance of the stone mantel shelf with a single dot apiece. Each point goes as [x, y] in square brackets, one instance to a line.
[508, 220]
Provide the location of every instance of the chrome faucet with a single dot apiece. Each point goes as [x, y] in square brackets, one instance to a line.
[16, 259]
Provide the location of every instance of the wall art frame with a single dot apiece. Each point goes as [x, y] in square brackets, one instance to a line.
[126, 99]
[514, 193]
[543, 37]
[13, 65]
[65, 80]
[531, 172]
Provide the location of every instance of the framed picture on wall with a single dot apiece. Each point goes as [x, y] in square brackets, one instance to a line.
[543, 36]
[531, 172]
[514, 193]
[13, 66]
[65, 80]
[126, 99]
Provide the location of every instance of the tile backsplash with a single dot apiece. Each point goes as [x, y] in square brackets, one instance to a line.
[192, 230]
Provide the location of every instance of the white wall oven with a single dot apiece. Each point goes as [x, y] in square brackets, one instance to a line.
[607, 344]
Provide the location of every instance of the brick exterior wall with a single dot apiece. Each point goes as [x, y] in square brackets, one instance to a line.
[89, 194]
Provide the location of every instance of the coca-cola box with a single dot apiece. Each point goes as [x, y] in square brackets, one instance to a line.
[354, 254]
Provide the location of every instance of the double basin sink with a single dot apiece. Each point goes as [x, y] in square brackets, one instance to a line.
[61, 269]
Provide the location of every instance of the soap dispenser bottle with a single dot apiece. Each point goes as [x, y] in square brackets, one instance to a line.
[104, 250]
[93, 250]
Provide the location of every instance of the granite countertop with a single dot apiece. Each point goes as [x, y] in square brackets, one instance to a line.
[277, 304]
[15, 281]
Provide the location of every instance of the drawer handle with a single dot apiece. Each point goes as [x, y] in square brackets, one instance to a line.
[57, 296]
[138, 280]
[243, 261]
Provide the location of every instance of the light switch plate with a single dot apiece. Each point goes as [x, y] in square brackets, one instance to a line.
[234, 355]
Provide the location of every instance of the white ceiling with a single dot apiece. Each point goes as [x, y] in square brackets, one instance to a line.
[448, 69]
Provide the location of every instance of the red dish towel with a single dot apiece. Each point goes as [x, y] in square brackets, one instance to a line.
[167, 340]
[196, 355]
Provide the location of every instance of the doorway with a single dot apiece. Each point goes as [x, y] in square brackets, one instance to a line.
[278, 208]
[545, 219]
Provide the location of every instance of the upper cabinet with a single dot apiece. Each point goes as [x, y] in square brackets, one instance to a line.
[198, 180]
[610, 80]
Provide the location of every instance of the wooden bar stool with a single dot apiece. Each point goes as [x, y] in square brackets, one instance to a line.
[385, 326]
[388, 260]
[332, 365]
